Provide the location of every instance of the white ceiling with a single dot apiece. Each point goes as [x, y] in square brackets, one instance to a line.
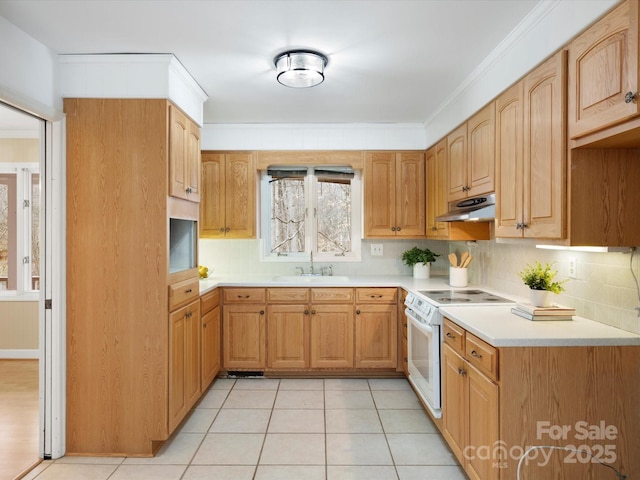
[389, 61]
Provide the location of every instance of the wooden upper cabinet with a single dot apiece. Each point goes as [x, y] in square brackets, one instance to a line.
[184, 156]
[471, 156]
[531, 154]
[544, 159]
[509, 162]
[395, 194]
[430, 158]
[603, 72]
[437, 191]
[229, 195]
[457, 156]
[481, 152]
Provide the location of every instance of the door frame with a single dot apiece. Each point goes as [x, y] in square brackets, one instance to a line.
[52, 331]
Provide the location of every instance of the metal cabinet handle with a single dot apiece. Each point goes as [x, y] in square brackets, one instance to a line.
[357, 312]
[398, 229]
[475, 354]
[629, 97]
[375, 296]
[261, 312]
[313, 312]
[450, 335]
[244, 296]
[461, 371]
[393, 229]
[188, 291]
[306, 312]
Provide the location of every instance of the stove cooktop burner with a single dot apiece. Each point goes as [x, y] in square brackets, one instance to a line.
[453, 297]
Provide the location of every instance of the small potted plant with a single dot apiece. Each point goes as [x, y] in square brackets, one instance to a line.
[420, 259]
[540, 281]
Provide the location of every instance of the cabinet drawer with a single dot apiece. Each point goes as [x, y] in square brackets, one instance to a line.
[482, 355]
[453, 336]
[376, 295]
[209, 301]
[288, 295]
[244, 295]
[181, 293]
[331, 295]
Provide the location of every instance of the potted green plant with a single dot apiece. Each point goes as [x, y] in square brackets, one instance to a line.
[420, 259]
[540, 280]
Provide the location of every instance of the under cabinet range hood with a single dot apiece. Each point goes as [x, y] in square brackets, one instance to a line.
[474, 209]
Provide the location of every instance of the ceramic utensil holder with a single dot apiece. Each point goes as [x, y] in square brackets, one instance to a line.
[458, 277]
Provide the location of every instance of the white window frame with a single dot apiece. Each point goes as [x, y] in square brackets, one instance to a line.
[310, 189]
[24, 172]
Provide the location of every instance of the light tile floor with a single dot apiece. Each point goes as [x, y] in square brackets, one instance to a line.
[270, 429]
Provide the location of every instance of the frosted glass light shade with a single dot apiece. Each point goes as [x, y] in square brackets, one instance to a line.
[300, 68]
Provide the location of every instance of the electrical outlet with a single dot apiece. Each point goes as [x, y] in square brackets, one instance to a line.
[573, 267]
[376, 250]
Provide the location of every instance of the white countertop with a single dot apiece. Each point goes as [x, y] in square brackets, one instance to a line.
[494, 324]
[501, 328]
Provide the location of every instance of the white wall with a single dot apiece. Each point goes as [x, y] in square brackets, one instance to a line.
[549, 27]
[28, 73]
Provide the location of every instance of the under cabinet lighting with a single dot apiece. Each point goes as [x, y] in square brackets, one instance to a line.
[587, 249]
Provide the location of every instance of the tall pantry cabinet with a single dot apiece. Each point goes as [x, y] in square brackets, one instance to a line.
[119, 290]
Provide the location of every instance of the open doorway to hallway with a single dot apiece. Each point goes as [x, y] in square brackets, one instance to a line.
[21, 156]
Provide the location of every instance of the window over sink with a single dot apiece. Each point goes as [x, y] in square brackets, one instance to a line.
[311, 209]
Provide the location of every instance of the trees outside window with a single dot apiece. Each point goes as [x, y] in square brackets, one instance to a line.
[311, 210]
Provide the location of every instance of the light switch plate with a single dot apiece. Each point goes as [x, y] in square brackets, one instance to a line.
[376, 250]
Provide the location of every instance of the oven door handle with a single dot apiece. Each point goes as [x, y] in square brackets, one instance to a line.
[421, 326]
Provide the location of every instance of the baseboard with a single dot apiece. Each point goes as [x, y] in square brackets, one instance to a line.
[19, 354]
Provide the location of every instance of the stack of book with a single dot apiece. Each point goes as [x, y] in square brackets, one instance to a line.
[556, 312]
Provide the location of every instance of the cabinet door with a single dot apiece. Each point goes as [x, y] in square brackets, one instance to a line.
[509, 163]
[457, 155]
[243, 337]
[481, 152]
[380, 194]
[178, 128]
[288, 336]
[376, 336]
[184, 361]
[192, 165]
[482, 425]
[603, 68]
[430, 157]
[332, 336]
[211, 323]
[453, 401]
[212, 215]
[545, 149]
[240, 195]
[441, 186]
[410, 194]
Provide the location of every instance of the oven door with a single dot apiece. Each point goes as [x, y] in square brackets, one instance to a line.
[424, 361]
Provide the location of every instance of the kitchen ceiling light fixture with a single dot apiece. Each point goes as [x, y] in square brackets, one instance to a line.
[300, 68]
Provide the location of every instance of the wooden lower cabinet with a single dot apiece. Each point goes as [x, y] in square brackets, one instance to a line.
[498, 402]
[332, 336]
[184, 361]
[211, 322]
[376, 328]
[288, 336]
[310, 328]
[244, 345]
[470, 415]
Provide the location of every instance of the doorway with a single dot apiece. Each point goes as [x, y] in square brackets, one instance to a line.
[22, 158]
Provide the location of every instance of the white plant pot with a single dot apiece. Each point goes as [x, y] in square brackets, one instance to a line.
[540, 298]
[421, 270]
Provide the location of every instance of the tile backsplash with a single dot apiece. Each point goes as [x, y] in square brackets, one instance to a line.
[604, 289]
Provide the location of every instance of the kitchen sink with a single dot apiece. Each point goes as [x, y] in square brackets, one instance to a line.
[311, 279]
